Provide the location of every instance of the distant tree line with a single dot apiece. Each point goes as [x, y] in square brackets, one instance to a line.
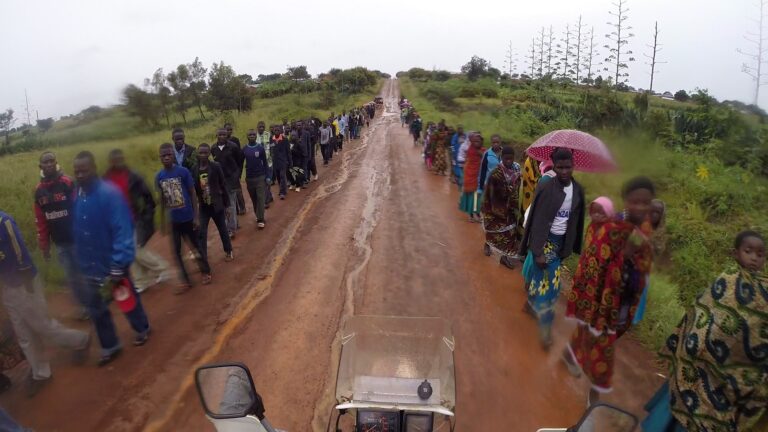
[221, 89]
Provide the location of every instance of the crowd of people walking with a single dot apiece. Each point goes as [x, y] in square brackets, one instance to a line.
[537, 215]
[100, 227]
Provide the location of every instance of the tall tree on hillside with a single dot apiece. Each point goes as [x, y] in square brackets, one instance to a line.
[510, 60]
[6, 123]
[653, 56]
[578, 46]
[756, 53]
[163, 94]
[591, 56]
[226, 91]
[196, 84]
[179, 82]
[619, 54]
[541, 44]
[566, 53]
[550, 47]
[532, 58]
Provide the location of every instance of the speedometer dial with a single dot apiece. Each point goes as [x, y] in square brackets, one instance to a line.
[378, 421]
[418, 422]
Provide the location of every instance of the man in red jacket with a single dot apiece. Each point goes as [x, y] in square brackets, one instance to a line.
[54, 197]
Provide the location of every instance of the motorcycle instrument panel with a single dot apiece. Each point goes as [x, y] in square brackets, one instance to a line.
[378, 421]
[418, 422]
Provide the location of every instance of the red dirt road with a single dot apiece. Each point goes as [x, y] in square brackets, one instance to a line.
[376, 235]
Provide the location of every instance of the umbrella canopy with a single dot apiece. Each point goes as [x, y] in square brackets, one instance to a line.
[589, 153]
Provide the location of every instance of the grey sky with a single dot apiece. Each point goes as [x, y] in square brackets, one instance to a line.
[72, 54]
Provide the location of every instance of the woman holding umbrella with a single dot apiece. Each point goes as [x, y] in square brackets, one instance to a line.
[553, 231]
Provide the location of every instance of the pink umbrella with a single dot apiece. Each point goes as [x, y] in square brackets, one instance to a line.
[589, 153]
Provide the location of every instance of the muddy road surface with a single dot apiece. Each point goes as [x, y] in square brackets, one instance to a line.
[376, 235]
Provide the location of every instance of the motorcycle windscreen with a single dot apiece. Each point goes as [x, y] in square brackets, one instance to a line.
[384, 360]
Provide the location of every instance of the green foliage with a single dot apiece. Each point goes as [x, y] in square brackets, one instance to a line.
[476, 68]
[661, 319]
[44, 125]
[682, 96]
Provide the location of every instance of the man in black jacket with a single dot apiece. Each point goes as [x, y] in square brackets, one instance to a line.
[183, 152]
[553, 231]
[213, 198]
[240, 203]
[229, 155]
[280, 150]
[148, 268]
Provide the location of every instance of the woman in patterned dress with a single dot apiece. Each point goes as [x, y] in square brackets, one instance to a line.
[502, 219]
[718, 356]
[606, 290]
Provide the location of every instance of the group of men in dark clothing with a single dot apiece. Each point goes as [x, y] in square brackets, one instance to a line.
[101, 226]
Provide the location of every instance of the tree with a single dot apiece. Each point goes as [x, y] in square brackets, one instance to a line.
[566, 53]
[579, 45]
[655, 49]
[532, 58]
[619, 55]
[45, 124]
[225, 90]
[140, 103]
[756, 53]
[590, 56]
[6, 123]
[682, 96]
[179, 82]
[163, 94]
[541, 42]
[510, 60]
[245, 78]
[550, 40]
[475, 68]
[298, 73]
[271, 77]
[196, 84]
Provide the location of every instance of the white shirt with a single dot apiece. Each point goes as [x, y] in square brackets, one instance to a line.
[462, 157]
[560, 224]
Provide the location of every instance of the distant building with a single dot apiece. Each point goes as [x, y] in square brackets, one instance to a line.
[668, 96]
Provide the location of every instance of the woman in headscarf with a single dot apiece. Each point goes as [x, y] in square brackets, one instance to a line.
[609, 280]
[439, 149]
[470, 197]
[718, 356]
[553, 231]
[502, 220]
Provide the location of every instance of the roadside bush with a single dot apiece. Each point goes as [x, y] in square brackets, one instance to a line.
[441, 95]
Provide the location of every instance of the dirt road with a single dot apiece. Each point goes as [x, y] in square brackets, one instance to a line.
[376, 235]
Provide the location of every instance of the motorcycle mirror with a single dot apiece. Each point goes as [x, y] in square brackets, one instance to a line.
[605, 417]
[226, 391]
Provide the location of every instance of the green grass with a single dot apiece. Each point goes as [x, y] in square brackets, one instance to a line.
[703, 216]
[140, 148]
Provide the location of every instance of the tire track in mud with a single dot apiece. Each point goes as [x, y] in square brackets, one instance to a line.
[261, 284]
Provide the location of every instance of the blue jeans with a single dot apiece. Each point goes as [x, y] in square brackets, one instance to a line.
[66, 257]
[90, 295]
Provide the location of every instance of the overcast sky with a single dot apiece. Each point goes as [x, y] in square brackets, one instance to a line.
[72, 54]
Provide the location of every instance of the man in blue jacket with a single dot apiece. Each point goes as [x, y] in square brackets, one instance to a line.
[105, 247]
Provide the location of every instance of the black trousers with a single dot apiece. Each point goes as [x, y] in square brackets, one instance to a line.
[186, 230]
[220, 219]
[240, 203]
[325, 149]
